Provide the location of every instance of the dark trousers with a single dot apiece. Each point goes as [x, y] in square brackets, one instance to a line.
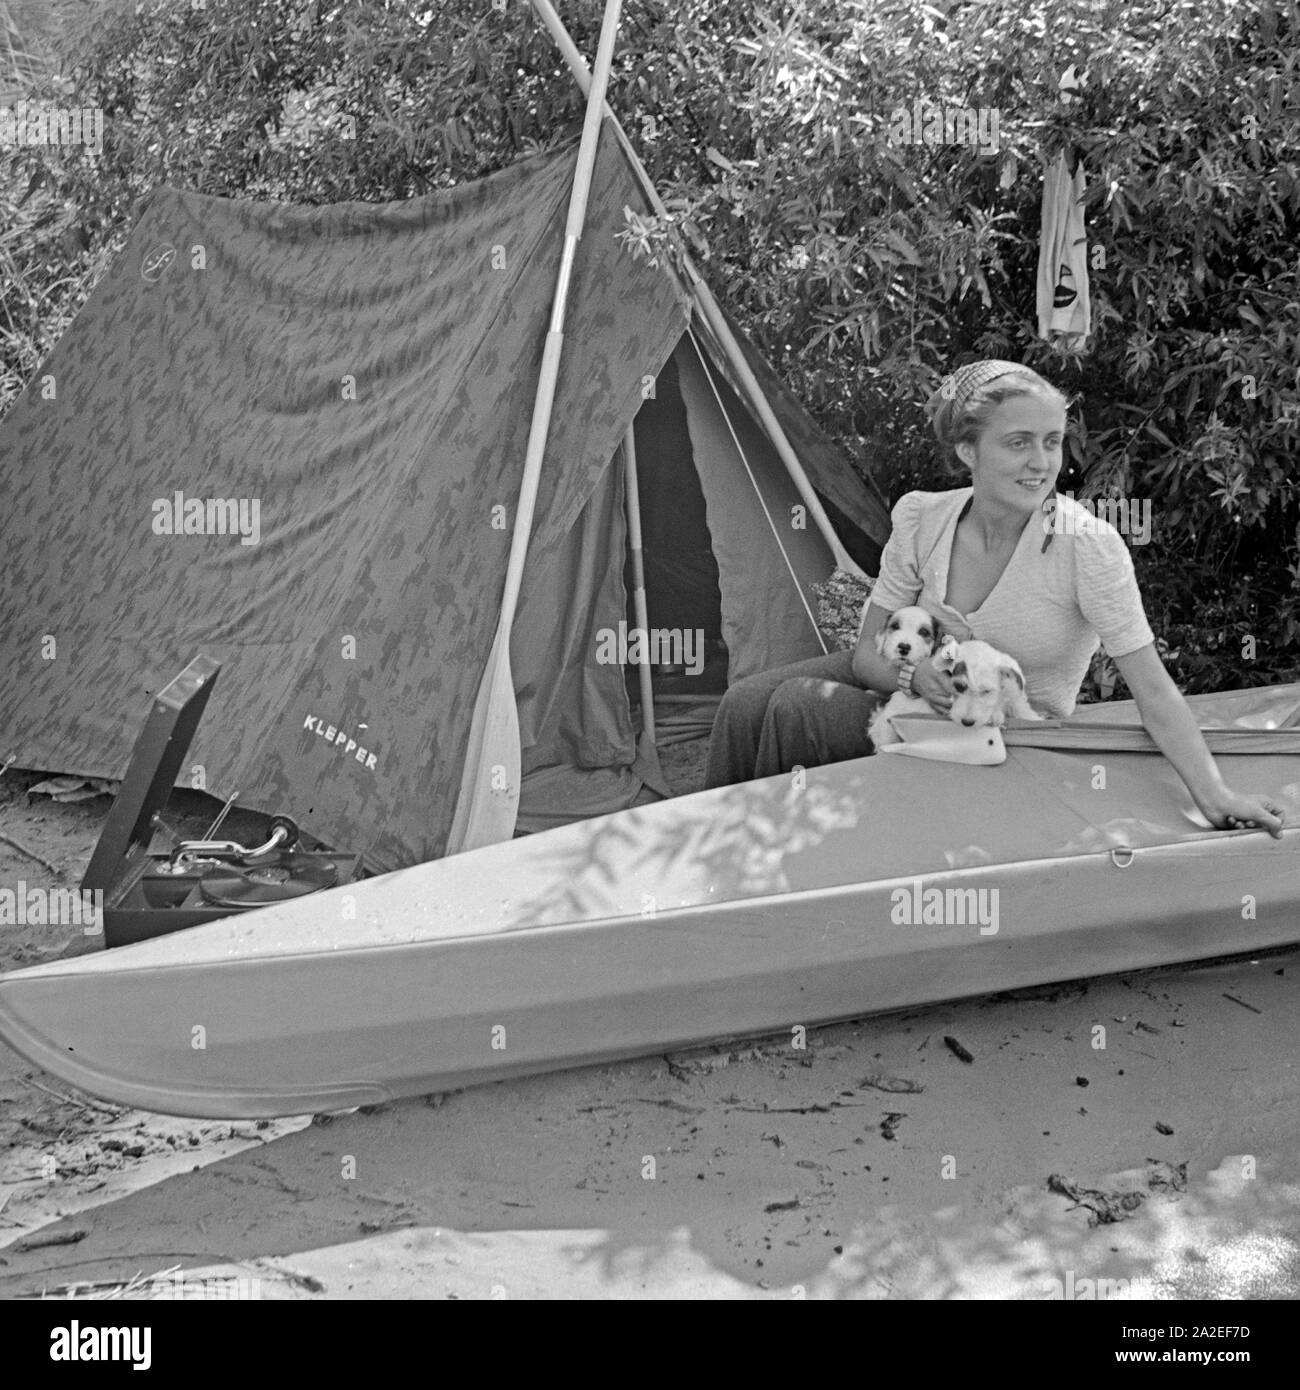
[806, 714]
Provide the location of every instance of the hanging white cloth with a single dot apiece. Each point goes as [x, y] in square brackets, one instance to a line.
[1064, 308]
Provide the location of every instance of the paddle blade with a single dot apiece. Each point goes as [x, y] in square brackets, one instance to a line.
[489, 786]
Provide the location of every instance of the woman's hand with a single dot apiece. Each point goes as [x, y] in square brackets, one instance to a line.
[933, 685]
[1172, 725]
[1230, 810]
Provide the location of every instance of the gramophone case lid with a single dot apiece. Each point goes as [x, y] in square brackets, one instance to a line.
[173, 716]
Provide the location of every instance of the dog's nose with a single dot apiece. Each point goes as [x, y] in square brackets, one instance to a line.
[904, 648]
[969, 723]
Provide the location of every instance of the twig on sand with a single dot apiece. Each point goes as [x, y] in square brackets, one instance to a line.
[1243, 1004]
[109, 1288]
[40, 1240]
[115, 1288]
[259, 1268]
[290, 1275]
[664, 1104]
[30, 853]
[957, 1049]
[816, 1108]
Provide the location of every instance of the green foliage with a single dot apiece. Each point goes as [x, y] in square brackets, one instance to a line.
[865, 269]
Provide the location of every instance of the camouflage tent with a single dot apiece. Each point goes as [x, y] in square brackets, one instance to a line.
[292, 438]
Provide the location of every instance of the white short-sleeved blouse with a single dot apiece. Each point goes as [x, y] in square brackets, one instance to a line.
[1050, 609]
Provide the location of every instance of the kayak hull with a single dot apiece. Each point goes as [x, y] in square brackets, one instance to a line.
[836, 892]
[291, 1035]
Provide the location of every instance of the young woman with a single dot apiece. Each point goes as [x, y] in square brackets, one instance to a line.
[991, 561]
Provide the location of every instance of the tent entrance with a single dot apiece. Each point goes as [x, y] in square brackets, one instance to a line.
[730, 558]
[683, 593]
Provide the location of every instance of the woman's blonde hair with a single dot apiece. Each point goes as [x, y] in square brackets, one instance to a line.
[960, 409]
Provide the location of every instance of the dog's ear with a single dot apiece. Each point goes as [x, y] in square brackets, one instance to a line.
[1009, 673]
[879, 640]
[1012, 680]
[945, 656]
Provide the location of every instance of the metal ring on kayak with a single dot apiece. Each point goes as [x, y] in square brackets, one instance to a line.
[1122, 856]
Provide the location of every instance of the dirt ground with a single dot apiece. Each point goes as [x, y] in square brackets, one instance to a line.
[876, 1162]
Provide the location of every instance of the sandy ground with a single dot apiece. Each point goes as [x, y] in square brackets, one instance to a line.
[873, 1163]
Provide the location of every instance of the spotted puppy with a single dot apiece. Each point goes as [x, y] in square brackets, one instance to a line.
[910, 635]
[988, 687]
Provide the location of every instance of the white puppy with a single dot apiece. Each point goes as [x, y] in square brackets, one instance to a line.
[988, 686]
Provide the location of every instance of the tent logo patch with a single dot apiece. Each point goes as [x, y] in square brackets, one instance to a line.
[160, 259]
[334, 737]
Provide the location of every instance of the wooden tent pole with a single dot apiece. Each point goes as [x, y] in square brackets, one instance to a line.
[489, 795]
[632, 503]
[709, 307]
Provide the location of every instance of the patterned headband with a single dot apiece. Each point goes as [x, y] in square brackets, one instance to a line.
[962, 384]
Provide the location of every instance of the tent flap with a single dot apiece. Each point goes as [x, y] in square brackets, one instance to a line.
[767, 562]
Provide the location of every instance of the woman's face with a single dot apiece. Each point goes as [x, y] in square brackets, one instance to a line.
[1015, 461]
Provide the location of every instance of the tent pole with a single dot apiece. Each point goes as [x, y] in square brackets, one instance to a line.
[709, 308]
[632, 503]
[488, 805]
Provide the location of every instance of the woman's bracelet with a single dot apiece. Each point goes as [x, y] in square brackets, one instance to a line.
[905, 673]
